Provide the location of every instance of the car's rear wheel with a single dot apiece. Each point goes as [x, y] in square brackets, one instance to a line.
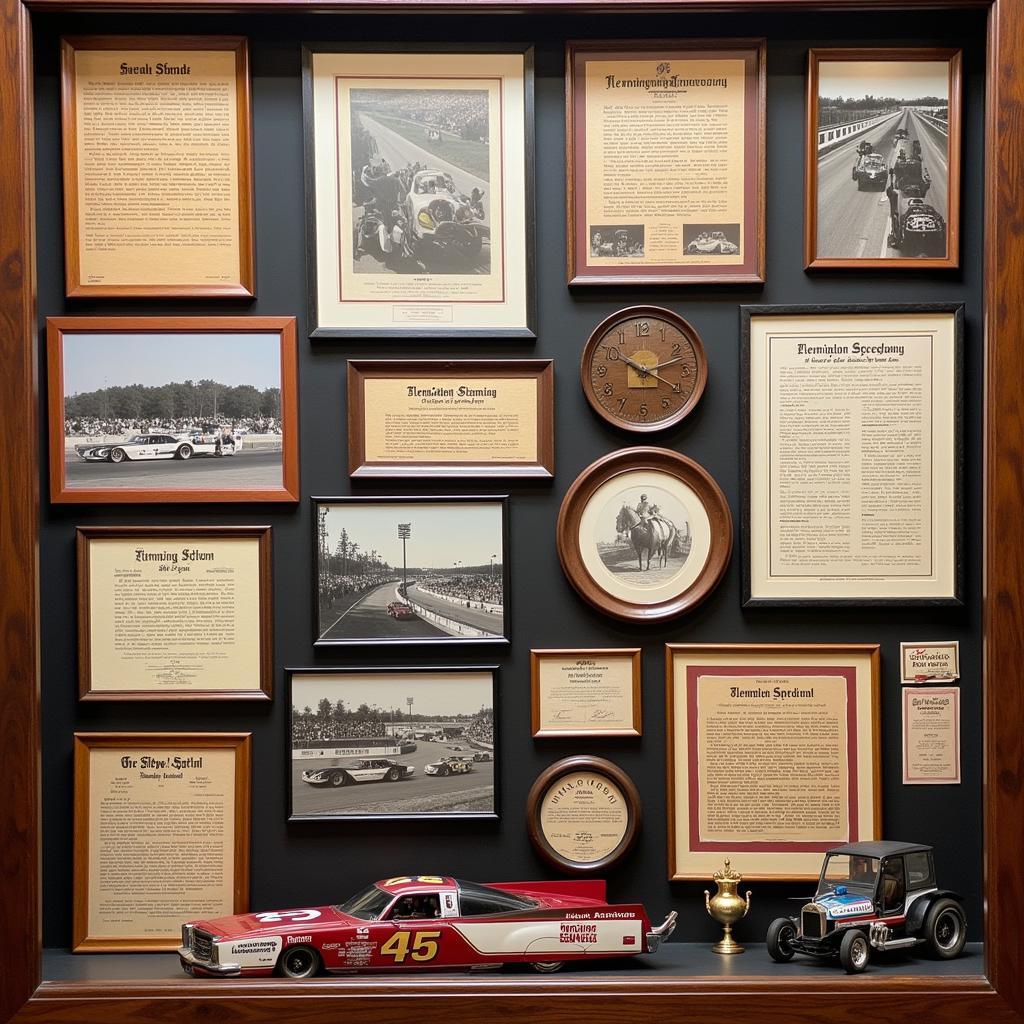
[117, 455]
[184, 452]
[945, 929]
[781, 933]
[547, 966]
[338, 778]
[854, 951]
[299, 962]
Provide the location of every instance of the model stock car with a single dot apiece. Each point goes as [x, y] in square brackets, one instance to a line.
[378, 769]
[449, 766]
[879, 895]
[426, 921]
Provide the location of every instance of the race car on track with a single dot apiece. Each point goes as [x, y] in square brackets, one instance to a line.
[378, 769]
[438, 213]
[449, 766]
[870, 172]
[426, 921]
[401, 610]
[712, 243]
[901, 134]
[138, 448]
[483, 755]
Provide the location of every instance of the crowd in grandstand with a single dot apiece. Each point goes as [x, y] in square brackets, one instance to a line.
[83, 426]
[481, 728]
[331, 722]
[310, 727]
[334, 587]
[469, 588]
[459, 111]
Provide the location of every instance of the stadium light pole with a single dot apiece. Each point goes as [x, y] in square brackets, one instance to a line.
[490, 575]
[405, 532]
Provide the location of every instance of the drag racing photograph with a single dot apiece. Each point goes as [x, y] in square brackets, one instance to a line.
[144, 412]
[392, 742]
[411, 570]
[885, 180]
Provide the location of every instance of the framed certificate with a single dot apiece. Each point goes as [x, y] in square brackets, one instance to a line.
[853, 454]
[774, 755]
[586, 692]
[419, 190]
[157, 167]
[665, 161]
[464, 418]
[174, 613]
[149, 807]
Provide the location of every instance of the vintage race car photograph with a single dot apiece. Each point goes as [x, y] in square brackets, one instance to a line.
[438, 213]
[380, 769]
[426, 921]
[400, 610]
[873, 896]
[870, 171]
[138, 447]
[713, 243]
[446, 766]
[483, 755]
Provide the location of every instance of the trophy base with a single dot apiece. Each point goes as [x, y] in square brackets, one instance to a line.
[727, 945]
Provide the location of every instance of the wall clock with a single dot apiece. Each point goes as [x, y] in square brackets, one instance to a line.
[643, 369]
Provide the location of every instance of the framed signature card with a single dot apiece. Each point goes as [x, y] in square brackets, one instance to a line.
[853, 460]
[883, 158]
[419, 191]
[465, 418]
[665, 161]
[174, 613]
[149, 807]
[592, 692]
[774, 755]
[157, 167]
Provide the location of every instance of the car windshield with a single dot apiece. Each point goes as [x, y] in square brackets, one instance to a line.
[874, 160]
[367, 905]
[138, 439]
[854, 871]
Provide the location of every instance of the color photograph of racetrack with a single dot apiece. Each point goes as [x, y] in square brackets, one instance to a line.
[417, 743]
[411, 571]
[883, 159]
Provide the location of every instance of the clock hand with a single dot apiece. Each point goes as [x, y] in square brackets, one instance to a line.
[668, 362]
[631, 362]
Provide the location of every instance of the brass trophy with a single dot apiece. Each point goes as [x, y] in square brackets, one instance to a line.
[726, 907]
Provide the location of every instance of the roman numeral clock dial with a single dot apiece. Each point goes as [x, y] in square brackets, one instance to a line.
[643, 369]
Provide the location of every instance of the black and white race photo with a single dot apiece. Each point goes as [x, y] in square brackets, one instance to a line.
[711, 239]
[618, 240]
[408, 743]
[421, 195]
[883, 159]
[411, 570]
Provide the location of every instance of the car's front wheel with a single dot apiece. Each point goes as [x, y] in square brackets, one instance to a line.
[854, 951]
[393, 775]
[945, 929]
[299, 962]
[184, 452]
[338, 778]
[444, 771]
[781, 933]
[117, 455]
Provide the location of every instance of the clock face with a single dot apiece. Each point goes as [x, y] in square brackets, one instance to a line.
[643, 368]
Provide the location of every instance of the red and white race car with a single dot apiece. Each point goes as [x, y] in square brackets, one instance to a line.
[426, 921]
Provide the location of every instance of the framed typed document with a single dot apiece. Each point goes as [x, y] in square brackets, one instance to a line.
[419, 191]
[157, 167]
[774, 755]
[149, 808]
[592, 692]
[853, 438]
[174, 613]
[883, 158]
[665, 161]
[468, 418]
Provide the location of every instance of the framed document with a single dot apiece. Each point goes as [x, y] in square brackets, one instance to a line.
[931, 736]
[588, 692]
[409, 743]
[644, 534]
[883, 158]
[419, 190]
[853, 454]
[174, 613]
[157, 167]
[583, 814]
[465, 418]
[665, 161]
[929, 661]
[146, 409]
[149, 808]
[774, 755]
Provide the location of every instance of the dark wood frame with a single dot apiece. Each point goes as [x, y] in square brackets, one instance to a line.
[245, 286]
[537, 655]
[420, 499]
[85, 742]
[260, 534]
[284, 326]
[956, 311]
[551, 776]
[528, 332]
[814, 58]
[800, 652]
[996, 995]
[541, 370]
[657, 460]
[358, 820]
[655, 275]
[686, 329]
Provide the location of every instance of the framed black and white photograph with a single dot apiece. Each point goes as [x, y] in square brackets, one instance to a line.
[883, 158]
[421, 570]
[419, 167]
[404, 743]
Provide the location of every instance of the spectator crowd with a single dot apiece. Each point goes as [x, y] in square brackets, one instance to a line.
[469, 588]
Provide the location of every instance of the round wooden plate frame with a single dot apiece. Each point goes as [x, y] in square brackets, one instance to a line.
[655, 460]
[551, 776]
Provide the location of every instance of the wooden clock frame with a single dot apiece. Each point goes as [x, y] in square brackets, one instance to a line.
[995, 996]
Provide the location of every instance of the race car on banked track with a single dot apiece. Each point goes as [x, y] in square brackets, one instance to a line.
[426, 921]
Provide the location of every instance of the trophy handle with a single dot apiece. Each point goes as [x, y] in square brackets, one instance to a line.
[746, 909]
[707, 901]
